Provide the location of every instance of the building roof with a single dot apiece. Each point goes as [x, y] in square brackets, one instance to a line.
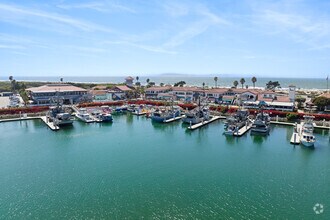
[326, 95]
[98, 92]
[158, 88]
[282, 99]
[188, 89]
[217, 90]
[123, 88]
[99, 87]
[56, 88]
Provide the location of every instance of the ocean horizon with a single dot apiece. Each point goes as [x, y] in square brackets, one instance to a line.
[300, 83]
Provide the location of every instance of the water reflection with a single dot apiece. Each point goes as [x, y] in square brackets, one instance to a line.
[258, 138]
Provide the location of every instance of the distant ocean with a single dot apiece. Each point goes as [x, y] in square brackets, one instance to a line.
[300, 83]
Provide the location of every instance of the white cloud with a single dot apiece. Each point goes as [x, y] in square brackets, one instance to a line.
[21, 13]
[103, 6]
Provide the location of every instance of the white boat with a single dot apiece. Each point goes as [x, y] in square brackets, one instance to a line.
[306, 131]
[84, 116]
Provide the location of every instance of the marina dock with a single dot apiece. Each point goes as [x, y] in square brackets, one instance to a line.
[214, 118]
[173, 119]
[295, 138]
[49, 124]
[243, 130]
[43, 118]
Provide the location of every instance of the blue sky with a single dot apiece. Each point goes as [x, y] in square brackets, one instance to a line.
[141, 37]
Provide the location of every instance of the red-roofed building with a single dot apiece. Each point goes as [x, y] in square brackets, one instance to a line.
[153, 92]
[44, 95]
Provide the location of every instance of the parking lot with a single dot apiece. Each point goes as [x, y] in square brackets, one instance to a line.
[4, 102]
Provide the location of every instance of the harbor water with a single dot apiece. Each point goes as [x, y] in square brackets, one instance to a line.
[133, 168]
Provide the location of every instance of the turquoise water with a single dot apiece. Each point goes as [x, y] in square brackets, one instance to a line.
[134, 169]
[305, 83]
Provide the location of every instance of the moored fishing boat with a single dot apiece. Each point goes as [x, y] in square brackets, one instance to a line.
[197, 115]
[306, 131]
[236, 122]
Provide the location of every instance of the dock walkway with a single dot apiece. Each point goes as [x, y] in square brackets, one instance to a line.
[173, 119]
[214, 118]
[43, 118]
[295, 138]
[243, 130]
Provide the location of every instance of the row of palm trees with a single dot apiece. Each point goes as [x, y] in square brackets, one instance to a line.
[235, 83]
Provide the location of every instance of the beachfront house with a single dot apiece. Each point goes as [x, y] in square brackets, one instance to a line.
[187, 94]
[155, 91]
[45, 95]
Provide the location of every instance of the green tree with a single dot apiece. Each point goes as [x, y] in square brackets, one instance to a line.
[273, 85]
[242, 81]
[161, 84]
[235, 83]
[180, 84]
[321, 102]
[254, 80]
[137, 78]
[216, 81]
[148, 80]
[291, 117]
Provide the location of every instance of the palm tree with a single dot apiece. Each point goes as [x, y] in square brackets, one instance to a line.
[61, 79]
[242, 81]
[148, 80]
[235, 83]
[203, 88]
[161, 84]
[216, 81]
[137, 78]
[12, 82]
[254, 80]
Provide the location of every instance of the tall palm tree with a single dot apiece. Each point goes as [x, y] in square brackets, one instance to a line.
[235, 83]
[61, 79]
[148, 80]
[254, 80]
[12, 82]
[137, 78]
[242, 81]
[216, 81]
[203, 88]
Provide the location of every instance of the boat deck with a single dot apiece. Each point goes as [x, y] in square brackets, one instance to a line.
[139, 113]
[214, 118]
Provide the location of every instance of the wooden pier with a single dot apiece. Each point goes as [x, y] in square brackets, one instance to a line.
[173, 119]
[243, 130]
[214, 118]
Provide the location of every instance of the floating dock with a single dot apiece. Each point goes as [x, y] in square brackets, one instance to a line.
[295, 138]
[43, 118]
[173, 119]
[243, 130]
[50, 124]
[214, 118]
